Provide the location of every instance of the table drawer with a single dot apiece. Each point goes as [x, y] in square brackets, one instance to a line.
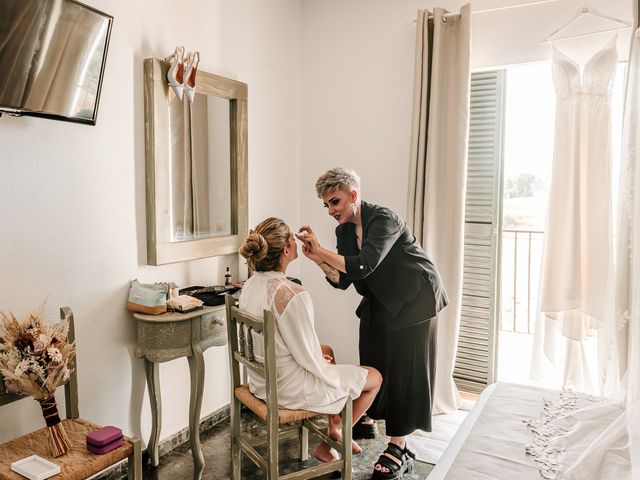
[213, 328]
[160, 342]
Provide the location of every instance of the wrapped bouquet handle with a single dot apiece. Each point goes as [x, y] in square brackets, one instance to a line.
[58, 440]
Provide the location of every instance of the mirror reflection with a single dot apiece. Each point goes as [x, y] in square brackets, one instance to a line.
[196, 167]
[200, 168]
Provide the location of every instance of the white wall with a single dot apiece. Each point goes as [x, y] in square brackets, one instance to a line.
[72, 201]
[357, 86]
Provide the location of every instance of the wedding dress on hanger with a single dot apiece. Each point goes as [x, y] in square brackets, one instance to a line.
[600, 441]
[577, 269]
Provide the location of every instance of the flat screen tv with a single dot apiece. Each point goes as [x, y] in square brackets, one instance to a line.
[52, 59]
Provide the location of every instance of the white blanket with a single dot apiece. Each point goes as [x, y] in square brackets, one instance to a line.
[492, 441]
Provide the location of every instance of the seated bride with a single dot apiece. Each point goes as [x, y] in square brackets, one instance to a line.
[307, 377]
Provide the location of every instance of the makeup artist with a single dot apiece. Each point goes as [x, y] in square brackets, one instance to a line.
[401, 296]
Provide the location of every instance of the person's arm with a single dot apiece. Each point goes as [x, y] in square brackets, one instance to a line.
[330, 272]
[332, 259]
[382, 232]
[315, 252]
[310, 249]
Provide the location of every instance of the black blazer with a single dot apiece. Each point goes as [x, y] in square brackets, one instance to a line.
[391, 266]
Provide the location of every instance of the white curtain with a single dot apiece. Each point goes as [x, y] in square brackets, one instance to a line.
[437, 180]
[627, 334]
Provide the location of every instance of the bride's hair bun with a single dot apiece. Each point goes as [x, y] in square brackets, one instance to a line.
[255, 247]
[264, 246]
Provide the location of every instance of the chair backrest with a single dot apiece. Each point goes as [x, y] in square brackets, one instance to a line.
[70, 387]
[240, 325]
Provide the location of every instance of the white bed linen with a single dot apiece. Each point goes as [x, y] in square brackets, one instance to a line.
[439, 471]
[491, 443]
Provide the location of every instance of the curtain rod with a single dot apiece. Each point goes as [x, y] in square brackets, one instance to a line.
[496, 9]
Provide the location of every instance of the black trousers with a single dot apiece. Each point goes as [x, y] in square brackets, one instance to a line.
[406, 358]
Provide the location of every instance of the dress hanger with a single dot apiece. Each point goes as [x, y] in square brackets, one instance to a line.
[584, 11]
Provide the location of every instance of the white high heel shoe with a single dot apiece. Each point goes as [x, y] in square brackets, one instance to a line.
[191, 68]
[175, 75]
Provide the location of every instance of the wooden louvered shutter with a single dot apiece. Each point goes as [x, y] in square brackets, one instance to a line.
[476, 356]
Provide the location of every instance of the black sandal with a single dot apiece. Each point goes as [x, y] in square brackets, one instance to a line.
[409, 452]
[364, 429]
[396, 469]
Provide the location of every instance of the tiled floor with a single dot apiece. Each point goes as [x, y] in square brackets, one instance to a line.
[178, 463]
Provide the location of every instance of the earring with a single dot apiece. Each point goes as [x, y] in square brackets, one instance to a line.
[354, 207]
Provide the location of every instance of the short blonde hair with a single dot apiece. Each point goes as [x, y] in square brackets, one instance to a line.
[337, 178]
[264, 245]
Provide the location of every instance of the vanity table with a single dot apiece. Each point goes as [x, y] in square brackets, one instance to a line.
[169, 336]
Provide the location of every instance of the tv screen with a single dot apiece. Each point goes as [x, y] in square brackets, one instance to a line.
[52, 58]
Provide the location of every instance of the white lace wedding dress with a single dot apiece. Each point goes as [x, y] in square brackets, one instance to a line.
[577, 270]
[598, 441]
[305, 380]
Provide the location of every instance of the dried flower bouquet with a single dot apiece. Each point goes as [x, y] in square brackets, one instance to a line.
[35, 359]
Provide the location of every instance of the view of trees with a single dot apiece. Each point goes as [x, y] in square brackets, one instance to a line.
[524, 185]
[525, 202]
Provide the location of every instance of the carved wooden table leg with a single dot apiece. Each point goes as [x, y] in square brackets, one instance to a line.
[168, 336]
[153, 384]
[196, 368]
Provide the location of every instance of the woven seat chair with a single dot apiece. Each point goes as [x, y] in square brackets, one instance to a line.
[78, 463]
[280, 422]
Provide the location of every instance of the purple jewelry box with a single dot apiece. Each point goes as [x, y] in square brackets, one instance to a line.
[104, 439]
[105, 448]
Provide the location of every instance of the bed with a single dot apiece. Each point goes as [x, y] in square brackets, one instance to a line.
[524, 432]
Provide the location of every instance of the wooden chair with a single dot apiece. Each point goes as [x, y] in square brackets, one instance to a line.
[280, 422]
[78, 463]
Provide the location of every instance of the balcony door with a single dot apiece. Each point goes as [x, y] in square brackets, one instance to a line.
[475, 365]
[509, 171]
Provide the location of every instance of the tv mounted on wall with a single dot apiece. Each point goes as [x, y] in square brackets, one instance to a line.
[52, 59]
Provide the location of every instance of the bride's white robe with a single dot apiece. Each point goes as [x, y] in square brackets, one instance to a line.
[305, 380]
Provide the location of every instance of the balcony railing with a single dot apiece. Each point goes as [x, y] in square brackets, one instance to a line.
[520, 265]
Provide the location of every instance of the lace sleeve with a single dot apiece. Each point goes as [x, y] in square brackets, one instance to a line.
[281, 292]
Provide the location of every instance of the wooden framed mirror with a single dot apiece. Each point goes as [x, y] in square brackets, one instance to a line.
[196, 167]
